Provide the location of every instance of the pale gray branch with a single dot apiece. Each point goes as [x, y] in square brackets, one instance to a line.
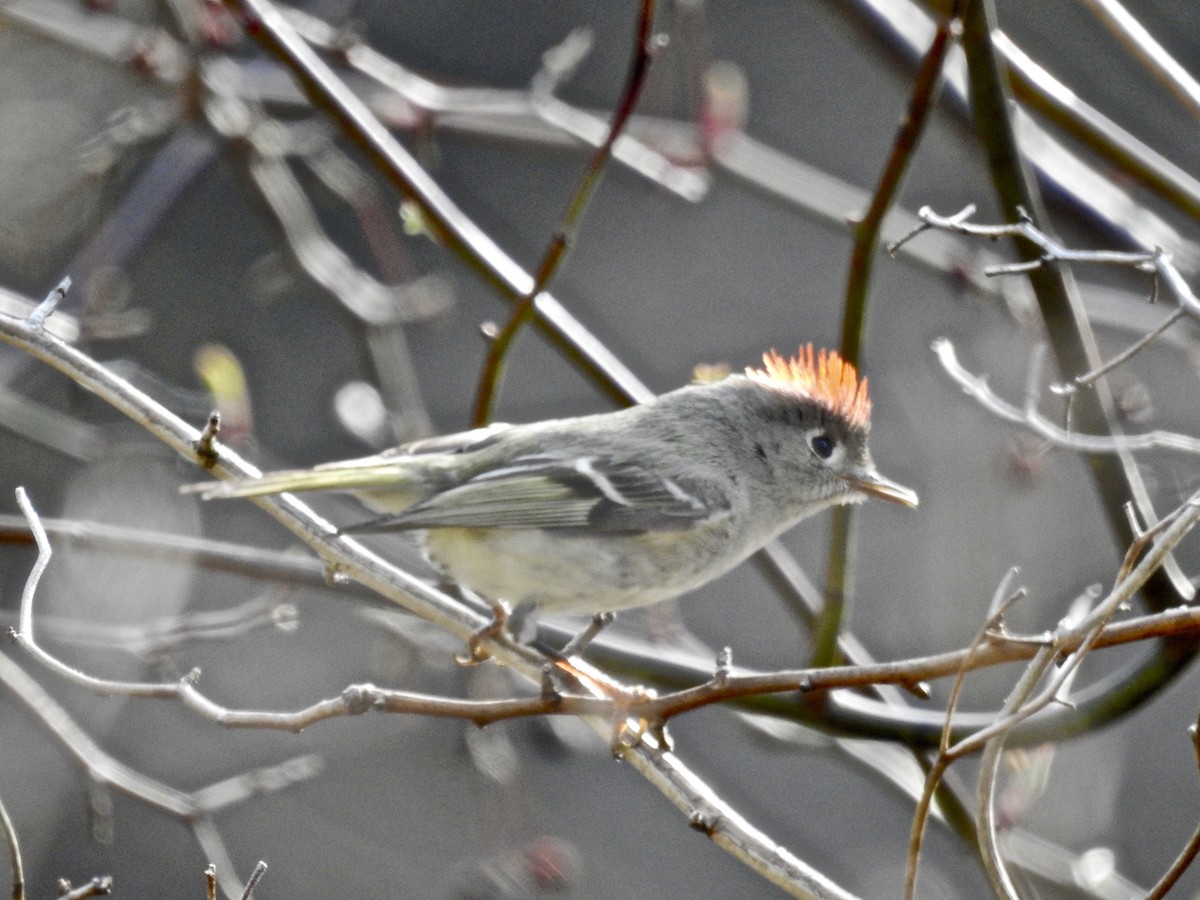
[346, 556]
[977, 386]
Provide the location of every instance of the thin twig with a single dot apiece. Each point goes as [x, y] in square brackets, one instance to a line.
[525, 310]
[1115, 478]
[1188, 854]
[1158, 262]
[1002, 599]
[164, 635]
[842, 538]
[977, 386]
[662, 768]
[993, 860]
[445, 220]
[14, 853]
[926, 88]
[191, 809]
[1017, 707]
[1178, 866]
[518, 114]
[1089, 378]
[255, 877]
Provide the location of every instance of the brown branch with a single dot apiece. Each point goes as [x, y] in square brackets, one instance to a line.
[842, 541]
[357, 699]
[646, 751]
[1178, 866]
[501, 344]
[444, 219]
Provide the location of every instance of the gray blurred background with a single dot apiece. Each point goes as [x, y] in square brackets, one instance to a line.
[118, 173]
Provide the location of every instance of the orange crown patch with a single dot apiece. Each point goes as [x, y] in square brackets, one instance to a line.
[824, 377]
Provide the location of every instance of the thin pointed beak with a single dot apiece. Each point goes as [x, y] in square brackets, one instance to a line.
[875, 485]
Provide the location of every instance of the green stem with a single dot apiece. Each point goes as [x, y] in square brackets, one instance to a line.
[839, 584]
[493, 368]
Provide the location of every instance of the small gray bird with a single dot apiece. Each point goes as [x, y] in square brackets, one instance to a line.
[621, 509]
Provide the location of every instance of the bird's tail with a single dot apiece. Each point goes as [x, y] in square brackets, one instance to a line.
[370, 474]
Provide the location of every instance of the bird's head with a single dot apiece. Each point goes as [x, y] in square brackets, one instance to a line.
[820, 395]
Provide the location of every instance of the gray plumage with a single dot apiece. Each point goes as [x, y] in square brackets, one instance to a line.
[619, 509]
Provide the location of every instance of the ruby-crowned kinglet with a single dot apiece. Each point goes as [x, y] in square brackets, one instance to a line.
[621, 509]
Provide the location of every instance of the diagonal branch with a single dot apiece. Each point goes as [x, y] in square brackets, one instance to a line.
[349, 558]
[1067, 327]
[644, 47]
[843, 545]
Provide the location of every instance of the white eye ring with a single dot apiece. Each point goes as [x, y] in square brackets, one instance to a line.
[824, 446]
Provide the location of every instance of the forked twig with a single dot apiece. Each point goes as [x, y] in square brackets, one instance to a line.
[977, 386]
[1157, 263]
[1002, 600]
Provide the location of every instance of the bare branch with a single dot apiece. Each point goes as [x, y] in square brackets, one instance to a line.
[976, 386]
[14, 853]
[104, 768]
[281, 567]
[926, 88]
[989, 766]
[259, 870]
[99, 886]
[663, 769]
[513, 113]
[560, 244]
[1178, 866]
[1157, 262]
[1190, 850]
[1002, 599]
[444, 218]
[1089, 378]
[1154, 55]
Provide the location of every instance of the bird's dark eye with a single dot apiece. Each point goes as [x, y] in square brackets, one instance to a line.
[822, 445]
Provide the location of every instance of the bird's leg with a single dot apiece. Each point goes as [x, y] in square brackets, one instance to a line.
[576, 645]
[494, 630]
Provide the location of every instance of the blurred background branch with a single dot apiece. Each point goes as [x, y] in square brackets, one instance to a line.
[714, 211]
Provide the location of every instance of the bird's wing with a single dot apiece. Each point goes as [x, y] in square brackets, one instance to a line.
[582, 492]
